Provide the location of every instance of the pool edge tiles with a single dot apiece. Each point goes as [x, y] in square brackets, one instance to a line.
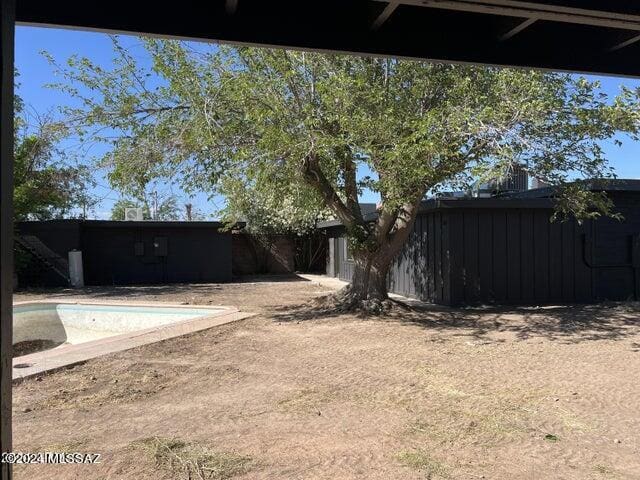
[49, 360]
[75, 323]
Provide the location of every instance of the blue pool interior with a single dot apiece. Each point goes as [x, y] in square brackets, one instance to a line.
[74, 323]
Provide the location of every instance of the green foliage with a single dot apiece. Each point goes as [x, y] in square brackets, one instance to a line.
[285, 208]
[577, 199]
[285, 135]
[242, 122]
[45, 185]
[118, 209]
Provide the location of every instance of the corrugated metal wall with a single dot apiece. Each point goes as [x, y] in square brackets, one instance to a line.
[516, 256]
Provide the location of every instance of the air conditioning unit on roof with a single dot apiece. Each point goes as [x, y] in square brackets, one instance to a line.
[133, 214]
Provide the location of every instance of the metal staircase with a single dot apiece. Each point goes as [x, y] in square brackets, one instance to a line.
[45, 255]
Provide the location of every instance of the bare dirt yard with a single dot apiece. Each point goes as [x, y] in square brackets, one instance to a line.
[294, 393]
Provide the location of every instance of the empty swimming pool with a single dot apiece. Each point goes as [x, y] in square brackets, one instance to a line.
[47, 335]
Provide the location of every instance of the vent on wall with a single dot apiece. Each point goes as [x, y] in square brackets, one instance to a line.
[133, 214]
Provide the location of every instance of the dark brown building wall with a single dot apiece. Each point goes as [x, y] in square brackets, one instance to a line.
[253, 256]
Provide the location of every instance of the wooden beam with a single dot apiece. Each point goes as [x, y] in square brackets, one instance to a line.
[626, 43]
[558, 9]
[384, 16]
[231, 6]
[553, 13]
[287, 24]
[517, 29]
[7, 27]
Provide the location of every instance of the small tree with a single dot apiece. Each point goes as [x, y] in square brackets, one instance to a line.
[282, 209]
[302, 128]
[46, 186]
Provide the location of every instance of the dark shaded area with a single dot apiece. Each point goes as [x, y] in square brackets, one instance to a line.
[566, 324]
[277, 278]
[127, 253]
[311, 252]
[140, 291]
[262, 254]
[428, 30]
[33, 346]
[148, 252]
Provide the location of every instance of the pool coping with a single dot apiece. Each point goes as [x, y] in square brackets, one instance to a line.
[88, 301]
[69, 355]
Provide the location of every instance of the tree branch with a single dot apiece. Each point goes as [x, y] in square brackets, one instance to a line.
[404, 224]
[386, 220]
[314, 176]
[350, 185]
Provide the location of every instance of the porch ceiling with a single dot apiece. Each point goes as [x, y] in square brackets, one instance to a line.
[594, 36]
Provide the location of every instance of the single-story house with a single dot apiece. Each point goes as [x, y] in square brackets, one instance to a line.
[146, 252]
[126, 252]
[506, 250]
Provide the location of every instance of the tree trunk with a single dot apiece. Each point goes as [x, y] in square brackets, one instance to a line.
[368, 288]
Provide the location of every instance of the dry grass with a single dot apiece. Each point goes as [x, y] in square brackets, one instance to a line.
[71, 446]
[307, 400]
[424, 463]
[605, 472]
[435, 393]
[190, 460]
[466, 415]
[120, 386]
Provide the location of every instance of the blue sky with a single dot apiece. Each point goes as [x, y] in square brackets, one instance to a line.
[35, 72]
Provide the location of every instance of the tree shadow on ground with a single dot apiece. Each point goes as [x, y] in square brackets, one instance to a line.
[134, 291]
[566, 323]
[121, 291]
[270, 278]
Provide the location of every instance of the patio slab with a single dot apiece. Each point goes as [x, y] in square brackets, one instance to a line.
[37, 363]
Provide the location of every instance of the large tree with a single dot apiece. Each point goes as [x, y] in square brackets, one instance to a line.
[316, 129]
[46, 183]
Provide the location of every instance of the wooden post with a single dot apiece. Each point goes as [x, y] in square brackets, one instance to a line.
[7, 27]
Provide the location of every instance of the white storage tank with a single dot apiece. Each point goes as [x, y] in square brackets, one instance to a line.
[76, 274]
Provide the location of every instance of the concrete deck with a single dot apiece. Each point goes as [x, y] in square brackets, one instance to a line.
[49, 360]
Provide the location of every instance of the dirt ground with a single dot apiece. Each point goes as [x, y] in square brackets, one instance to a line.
[294, 393]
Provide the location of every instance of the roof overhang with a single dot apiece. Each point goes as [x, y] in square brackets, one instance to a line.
[151, 224]
[535, 198]
[593, 36]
